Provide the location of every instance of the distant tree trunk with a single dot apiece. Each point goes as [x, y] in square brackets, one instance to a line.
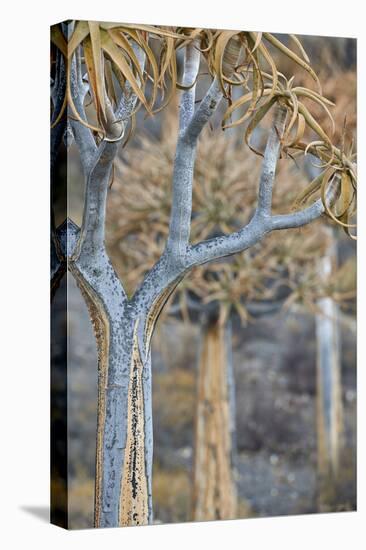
[329, 389]
[214, 491]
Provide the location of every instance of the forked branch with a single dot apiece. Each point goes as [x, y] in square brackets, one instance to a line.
[262, 222]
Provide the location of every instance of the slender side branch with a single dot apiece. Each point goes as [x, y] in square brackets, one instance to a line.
[309, 214]
[299, 218]
[180, 220]
[226, 245]
[83, 136]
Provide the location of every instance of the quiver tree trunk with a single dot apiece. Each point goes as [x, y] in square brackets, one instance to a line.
[329, 388]
[214, 490]
[124, 422]
[124, 419]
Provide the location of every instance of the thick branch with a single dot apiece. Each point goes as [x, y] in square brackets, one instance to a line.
[191, 68]
[180, 219]
[83, 135]
[93, 225]
[270, 161]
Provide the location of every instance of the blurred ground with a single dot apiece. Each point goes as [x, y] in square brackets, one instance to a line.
[274, 364]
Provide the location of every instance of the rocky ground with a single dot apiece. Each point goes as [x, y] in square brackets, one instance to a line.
[274, 365]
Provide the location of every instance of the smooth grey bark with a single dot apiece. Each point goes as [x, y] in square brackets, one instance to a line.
[123, 325]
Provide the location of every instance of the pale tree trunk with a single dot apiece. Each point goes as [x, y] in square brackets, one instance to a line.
[329, 387]
[124, 419]
[214, 487]
[124, 325]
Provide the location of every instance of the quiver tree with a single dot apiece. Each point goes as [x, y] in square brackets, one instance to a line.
[108, 66]
[280, 271]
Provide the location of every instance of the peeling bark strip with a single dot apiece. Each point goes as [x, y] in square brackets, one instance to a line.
[214, 491]
[155, 311]
[134, 509]
[100, 324]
